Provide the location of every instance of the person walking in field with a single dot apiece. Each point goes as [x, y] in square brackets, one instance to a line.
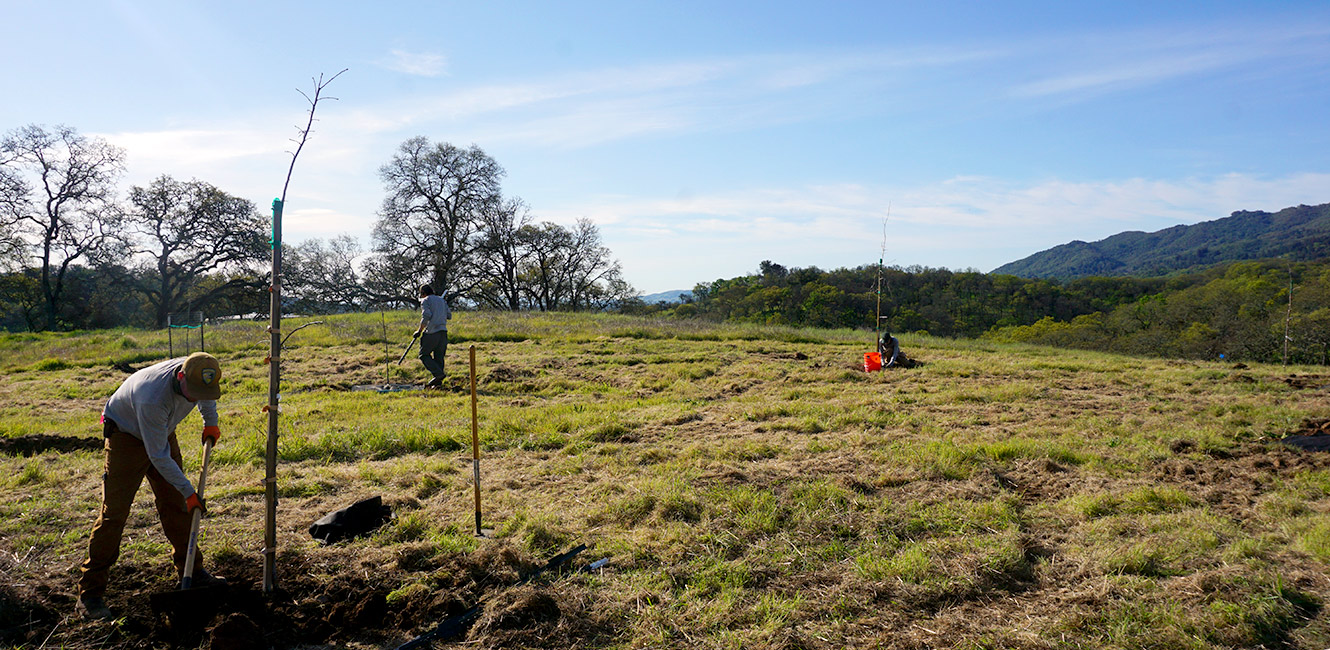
[433, 333]
[139, 424]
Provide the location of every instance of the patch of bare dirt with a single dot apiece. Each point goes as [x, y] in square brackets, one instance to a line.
[1306, 381]
[518, 609]
[237, 632]
[507, 374]
[1041, 480]
[125, 367]
[311, 606]
[1233, 484]
[1311, 427]
[37, 443]
[24, 618]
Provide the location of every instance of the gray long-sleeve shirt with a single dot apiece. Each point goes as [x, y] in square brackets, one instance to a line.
[435, 313]
[890, 349]
[147, 407]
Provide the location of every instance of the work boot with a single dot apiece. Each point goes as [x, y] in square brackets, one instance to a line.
[204, 579]
[93, 608]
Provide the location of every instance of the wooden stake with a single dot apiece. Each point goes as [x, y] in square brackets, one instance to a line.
[475, 439]
[274, 385]
[275, 350]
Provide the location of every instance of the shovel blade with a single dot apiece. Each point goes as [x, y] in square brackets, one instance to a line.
[189, 608]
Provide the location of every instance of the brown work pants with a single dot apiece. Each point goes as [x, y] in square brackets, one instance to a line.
[126, 464]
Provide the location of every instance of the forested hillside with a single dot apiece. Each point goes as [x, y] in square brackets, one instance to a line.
[1242, 311]
[1300, 233]
[939, 301]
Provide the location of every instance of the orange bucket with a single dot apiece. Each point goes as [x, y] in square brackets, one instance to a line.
[872, 361]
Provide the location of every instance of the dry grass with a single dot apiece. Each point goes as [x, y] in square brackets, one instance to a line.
[751, 487]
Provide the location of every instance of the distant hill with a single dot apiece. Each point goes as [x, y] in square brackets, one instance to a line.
[666, 296]
[1302, 232]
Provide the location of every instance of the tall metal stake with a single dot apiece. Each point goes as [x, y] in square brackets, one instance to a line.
[475, 439]
[877, 324]
[1288, 315]
[275, 351]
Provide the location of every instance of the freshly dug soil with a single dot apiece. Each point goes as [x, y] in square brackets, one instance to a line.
[310, 607]
[36, 443]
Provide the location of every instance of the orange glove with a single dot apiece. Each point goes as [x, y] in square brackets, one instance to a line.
[211, 432]
[195, 502]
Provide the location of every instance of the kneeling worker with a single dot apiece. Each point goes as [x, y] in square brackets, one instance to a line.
[433, 333]
[139, 424]
[890, 350]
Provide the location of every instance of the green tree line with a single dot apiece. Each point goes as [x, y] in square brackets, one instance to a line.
[939, 301]
[1240, 310]
[1271, 311]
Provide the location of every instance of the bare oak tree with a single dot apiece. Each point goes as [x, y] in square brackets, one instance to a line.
[13, 250]
[438, 195]
[593, 276]
[191, 229]
[545, 275]
[322, 277]
[502, 253]
[570, 269]
[56, 196]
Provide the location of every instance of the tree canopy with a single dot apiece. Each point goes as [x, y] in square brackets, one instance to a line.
[57, 204]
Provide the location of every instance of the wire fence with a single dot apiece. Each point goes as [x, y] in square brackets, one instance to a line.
[181, 328]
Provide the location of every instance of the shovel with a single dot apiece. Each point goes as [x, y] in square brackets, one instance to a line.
[191, 606]
[407, 350]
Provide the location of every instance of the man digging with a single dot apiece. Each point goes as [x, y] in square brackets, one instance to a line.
[433, 333]
[139, 424]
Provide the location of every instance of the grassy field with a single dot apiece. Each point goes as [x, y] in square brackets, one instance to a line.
[751, 487]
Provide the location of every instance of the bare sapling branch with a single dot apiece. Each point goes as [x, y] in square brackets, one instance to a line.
[303, 134]
[276, 344]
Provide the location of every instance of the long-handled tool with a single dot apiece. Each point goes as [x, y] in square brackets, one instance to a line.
[475, 447]
[187, 578]
[191, 606]
[407, 350]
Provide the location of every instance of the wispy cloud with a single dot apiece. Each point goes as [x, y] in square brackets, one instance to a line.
[420, 64]
[961, 221]
[197, 146]
[582, 108]
[720, 94]
[964, 222]
[1094, 64]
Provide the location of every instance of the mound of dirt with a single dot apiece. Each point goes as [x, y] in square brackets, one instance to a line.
[1306, 381]
[36, 443]
[316, 603]
[1312, 427]
[237, 632]
[519, 609]
[125, 367]
[22, 619]
[506, 374]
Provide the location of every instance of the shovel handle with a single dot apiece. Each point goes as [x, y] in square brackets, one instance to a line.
[187, 578]
[407, 350]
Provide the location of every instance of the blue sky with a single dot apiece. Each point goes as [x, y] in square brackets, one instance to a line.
[705, 137]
